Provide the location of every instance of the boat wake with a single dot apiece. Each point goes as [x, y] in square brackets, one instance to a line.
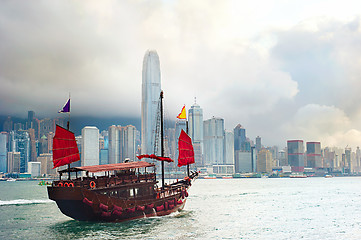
[24, 202]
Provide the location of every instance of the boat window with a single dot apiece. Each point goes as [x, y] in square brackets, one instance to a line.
[131, 192]
[136, 191]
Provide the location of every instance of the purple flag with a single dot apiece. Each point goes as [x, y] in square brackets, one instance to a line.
[66, 107]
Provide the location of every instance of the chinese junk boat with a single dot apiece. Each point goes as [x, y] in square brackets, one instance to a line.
[123, 192]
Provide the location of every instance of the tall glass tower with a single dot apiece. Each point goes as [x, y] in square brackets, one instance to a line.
[150, 98]
[195, 119]
[213, 141]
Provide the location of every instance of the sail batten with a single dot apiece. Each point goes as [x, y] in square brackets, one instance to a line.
[185, 148]
[65, 149]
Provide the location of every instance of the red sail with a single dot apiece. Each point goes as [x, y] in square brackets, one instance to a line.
[65, 149]
[185, 148]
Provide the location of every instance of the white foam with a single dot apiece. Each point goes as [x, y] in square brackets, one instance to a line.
[24, 201]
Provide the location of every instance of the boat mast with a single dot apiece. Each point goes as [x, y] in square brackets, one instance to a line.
[161, 136]
[68, 127]
[187, 133]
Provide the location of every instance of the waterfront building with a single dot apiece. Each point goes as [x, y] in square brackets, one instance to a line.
[34, 168]
[13, 162]
[127, 142]
[347, 161]
[103, 156]
[195, 122]
[90, 146]
[243, 162]
[213, 141]
[224, 169]
[314, 157]
[239, 137]
[229, 148]
[264, 161]
[3, 152]
[282, 156]
[151, 88]
[20, 142]
[46, 160]
[33, 152]
[114, 144]
[358, 159]
[295, 152]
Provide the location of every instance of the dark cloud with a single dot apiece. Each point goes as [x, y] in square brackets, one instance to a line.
[207, 50]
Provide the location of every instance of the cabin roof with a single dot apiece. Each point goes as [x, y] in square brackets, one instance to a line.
[116, 166]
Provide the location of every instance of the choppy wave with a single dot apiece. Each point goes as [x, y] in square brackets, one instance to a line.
[24, 202]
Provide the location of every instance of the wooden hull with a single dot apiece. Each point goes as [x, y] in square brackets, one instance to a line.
[85, 205]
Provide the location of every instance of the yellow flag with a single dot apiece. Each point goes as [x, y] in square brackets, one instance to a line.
[182, 114]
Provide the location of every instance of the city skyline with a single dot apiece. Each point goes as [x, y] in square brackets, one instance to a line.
[284, 71]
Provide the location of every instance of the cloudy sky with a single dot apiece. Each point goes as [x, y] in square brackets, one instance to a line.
[283, 69]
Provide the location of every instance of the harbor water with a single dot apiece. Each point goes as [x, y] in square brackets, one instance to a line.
[283, 208]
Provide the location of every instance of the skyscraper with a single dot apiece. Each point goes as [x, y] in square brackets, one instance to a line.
[3, 152]
[314, 158]
[195, 130]
[151, 88]
[30, 121]
[264, 161]
[239, 137]
[113, 147]
[295, 152]
[127, 142]
[213, 141]
[228, 147]
[258, 143]
[90, 146]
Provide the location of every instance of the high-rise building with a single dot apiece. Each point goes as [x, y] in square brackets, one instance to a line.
[128, 146]
[228, 148]
[243, 162]
[358, 159]
[34, 168]
[90, 146]
[114, 144]
[3, 152]
[264, 161]
[195, 130]
[258, 143]
[348, 163]
[8, 125]
[30, 122]
[46, 160]
[213, 130]
[33, 153]
[239, 137]
[46, 126]
[20, 142]
[13, 162]
[151, 88]
[314, 157]
[295, 152]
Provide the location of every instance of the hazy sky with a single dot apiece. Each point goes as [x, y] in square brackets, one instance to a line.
[283, 69]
